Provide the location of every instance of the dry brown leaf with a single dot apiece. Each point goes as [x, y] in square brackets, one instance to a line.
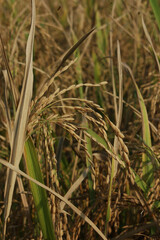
[74, 187]
[19, 130]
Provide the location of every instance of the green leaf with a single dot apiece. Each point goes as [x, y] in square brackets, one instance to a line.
[140, 183]
[97, 137]
[90, 181]
[148, 170]
[39, 194]
[156, 10]
[147, 164]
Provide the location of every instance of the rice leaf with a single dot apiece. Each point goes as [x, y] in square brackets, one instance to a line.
[9, 75]
[116, 142]
[140, 183]
[155, 4]
[88, 163]
[120, 106]
[148, 174]
[101, 36]
[39, 194]
[150, 41]
[75, 209]
[74, 186]
[97, 137]
[66, 56]
[18, 135]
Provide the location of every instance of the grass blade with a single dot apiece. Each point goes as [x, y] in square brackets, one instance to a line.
[39, 194]
[150, 42]
[120, 106]
[116, 142]
[66, 56]
[101, 142]
[156, 10]
[18, 136]
[148, 173]
[11, 85]
[74, 187]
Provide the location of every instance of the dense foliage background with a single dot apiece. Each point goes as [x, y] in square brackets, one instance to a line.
[96, 122]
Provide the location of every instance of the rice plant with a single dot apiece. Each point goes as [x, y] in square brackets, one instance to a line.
[79, 126]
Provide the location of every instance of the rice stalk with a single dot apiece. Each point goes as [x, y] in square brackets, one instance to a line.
[116, 140]
[18, 135]
[111, 60]
[75, 209]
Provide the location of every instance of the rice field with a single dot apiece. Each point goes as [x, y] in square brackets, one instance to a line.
[79, 125]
